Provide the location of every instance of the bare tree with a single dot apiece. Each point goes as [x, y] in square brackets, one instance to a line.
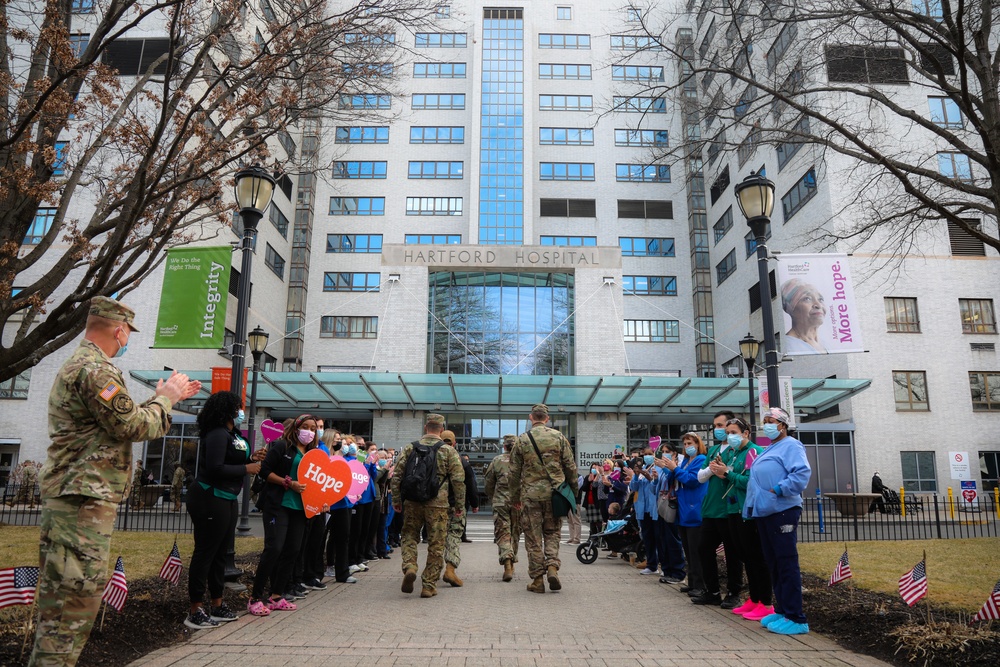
[125, 141]
[844, 76]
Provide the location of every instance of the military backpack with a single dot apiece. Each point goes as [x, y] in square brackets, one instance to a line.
[420, 477]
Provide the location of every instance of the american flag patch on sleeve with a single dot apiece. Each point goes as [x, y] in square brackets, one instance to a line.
[110, 390]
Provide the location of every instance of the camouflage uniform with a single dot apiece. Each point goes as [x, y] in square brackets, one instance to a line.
[137, 486]
[433, 512]
[453, 540]
[176, 487]
[92, 424]
[506, 520]
[532, 486]
[26, 491]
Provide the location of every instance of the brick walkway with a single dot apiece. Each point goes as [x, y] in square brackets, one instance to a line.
[606, 614]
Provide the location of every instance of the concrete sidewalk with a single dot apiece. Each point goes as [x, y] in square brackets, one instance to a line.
[606, 614]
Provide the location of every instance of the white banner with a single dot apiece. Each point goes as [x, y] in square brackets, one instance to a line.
[817, 297]
[787, 402]
[960, 466]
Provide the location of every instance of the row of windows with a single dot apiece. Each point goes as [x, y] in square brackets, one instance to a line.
[346, 326]
[919, 472]
[909, 390]
[649, 285]
[977, 315]
[547, 136]
[584, 171]
[640, 209]
[548, 71]
[372, 243]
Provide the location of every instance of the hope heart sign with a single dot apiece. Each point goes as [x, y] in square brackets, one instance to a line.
[359, 480]
[327, 480]
[270, 431]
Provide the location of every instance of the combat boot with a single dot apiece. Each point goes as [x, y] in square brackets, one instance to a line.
[508, 570]
[408, 578]
[451, 576]
[537, 585]
[553, 574]
[428, 592]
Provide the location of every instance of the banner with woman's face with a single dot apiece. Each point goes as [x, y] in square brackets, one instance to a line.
[817, 298]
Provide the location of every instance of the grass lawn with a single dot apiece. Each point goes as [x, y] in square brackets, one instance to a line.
[960, 573]
[143, 553]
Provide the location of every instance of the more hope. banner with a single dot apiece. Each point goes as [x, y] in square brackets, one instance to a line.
[817, 297]
[193, 299]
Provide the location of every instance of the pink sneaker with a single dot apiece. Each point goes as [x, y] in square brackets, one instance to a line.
[281, 604]
[746, 607]
[760, 612]
[257, 608]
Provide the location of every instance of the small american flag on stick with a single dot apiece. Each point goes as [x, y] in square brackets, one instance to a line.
[171, 570]
[992, 607]
[843, 570]
[117, 589]
[913, 584]
[17, 585]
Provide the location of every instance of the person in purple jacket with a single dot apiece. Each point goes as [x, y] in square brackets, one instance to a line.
[774, 499]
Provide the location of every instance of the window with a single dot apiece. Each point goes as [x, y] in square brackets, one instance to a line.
[274, 261]
[432, 239]
[928, 8]
[724, 224]
[442, 11]
[964, 243]
[132, 57]
[565, 103]
[635, 43]
[977, 316]
[59, 164]
[955, 165]
[646, 209]
[650, 285]
[435, 169]
[748, 146]
[751, 242]
[566, 171]
[800, 193]
[646, 247]
[433, 206]
[918, 471]
[639, 173]
[557, 41]
[633, 14]
[781, 44]
[792, 142]
[866, 64]
[726, 267]
[40, 225]
[81, 6]
[356, 169]
[559, 71]
[707, 40]
[910, 391]
[340, 326]
[78, 44]
[643, 138]
[365, 101]
[901, 315]
[754, 292]
[936, 59]
[356, 243]
[350, 282]
[639, 104]
[439, 70]
[985, 388]
[565, 136]
[437, 135]
[17, 386]
[652, 331]
[636, 73]
[945, 113]
[370, 39]
[568, 208]
[569, 241]
[357, 205]
[715, 146]
[743, 104]
[368, 70]
[443, 40]
[720, 185]
[279, 220]
[564, 13]
[989, 470]
[438, 101]
[362, 135]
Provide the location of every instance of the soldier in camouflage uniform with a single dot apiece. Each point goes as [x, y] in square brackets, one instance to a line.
[506, 522]
[137, 485]
[531, 487]
[177, 486]
[456, 528]
[92, 424]
[26, 487]
[433, 512]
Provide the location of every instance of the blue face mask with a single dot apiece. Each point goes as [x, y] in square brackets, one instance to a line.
[720, 434]
[122, 349]
[238, 419]
[352, 450]
[734, 439]
[771, 431]
[648, 459]
[690, 451]
[319, 433]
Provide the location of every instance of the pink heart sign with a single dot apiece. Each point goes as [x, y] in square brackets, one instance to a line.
[359, 480]
[270, 431]
[327, 480]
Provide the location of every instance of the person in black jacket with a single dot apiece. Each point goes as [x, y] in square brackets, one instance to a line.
[225, 461]
[471, 491]
[284, 516]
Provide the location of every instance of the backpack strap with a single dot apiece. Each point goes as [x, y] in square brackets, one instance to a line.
[540, 460]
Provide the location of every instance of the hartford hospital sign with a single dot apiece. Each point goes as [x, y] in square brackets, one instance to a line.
[497, 257]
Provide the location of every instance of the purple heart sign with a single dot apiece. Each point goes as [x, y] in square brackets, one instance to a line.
[270, 431]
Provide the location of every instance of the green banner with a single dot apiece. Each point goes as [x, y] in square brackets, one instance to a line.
[193, 300]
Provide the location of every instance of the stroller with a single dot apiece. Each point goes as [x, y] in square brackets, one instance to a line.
[621, 536]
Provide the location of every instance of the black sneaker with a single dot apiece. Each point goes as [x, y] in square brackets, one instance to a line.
[222, 614]
[314, 585]
[708, 599]
[301, 591]
[200, 621]
[731, 602]
[292, 595]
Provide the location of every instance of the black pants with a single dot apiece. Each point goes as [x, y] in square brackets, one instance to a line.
[381, 544]
[779, 540]
[282, 540]
[338, 536]
[647, 526]
[395, 527]
[670, 550]
[310, 562]
[758, 578]
[691, 541]
[368, 547]
[359, 527]
[714, 532]
[214, 521]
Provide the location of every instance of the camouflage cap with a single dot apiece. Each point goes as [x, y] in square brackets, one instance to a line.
[540, 409]
[434, 418]
[109, 309]
[509, 439]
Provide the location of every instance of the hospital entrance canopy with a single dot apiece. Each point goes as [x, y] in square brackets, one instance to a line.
[681, 400]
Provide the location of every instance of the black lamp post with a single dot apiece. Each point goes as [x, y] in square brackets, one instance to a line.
[258, 341]
[755, 195]
[749, 347]
[254, 187]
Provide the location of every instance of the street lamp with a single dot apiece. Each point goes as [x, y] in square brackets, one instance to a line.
[258, 341]
[755, 195]
[749, 347]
